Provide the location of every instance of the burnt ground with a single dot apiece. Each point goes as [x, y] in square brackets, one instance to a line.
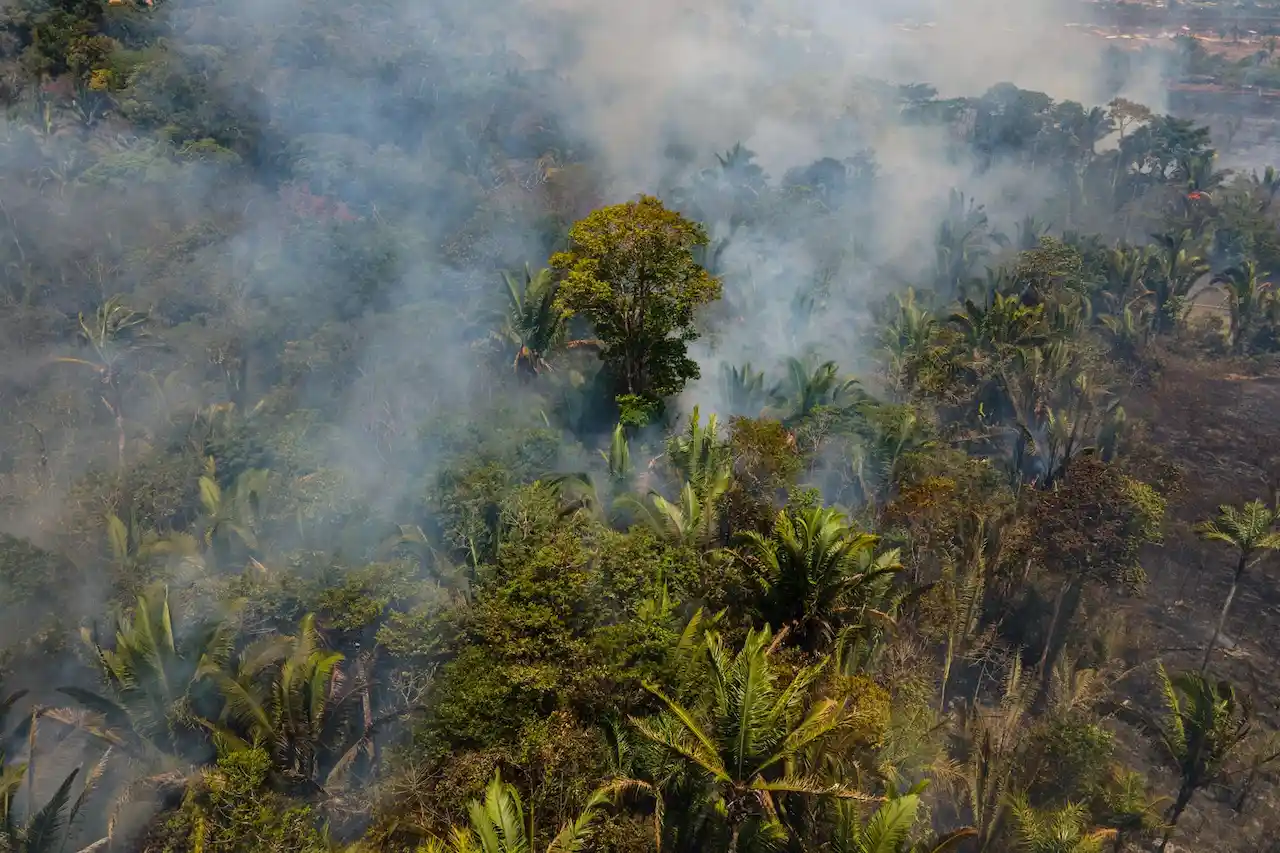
[1222, 429]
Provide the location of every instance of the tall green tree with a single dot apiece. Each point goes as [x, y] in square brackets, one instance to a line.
[1250, 530]
[631, 271]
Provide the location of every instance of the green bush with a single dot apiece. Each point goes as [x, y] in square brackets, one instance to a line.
[231, 810]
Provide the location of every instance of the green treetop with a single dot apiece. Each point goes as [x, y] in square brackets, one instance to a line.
[631, 272]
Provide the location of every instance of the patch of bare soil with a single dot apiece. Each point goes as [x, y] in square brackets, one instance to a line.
[1222, 428]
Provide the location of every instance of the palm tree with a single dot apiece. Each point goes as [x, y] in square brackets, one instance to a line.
[1090, 420]
[1028, 232]
[814, 569]
[693, 519]
[1003, 323]
[806, 387]
[112, 334]
[536, 324]
[961, 592]
[12, 775]
[497, 824]
[891, 436]
[962, 241]
[582, 489]
[1125, 272]
[1177, 269]
[1202, 179]
[684, 813]
[887, 828]
[1249, 529]
[910, 340]
[703, 464]
[48, 828]
[1063, 830]
[135, 551]
[1268, 184]
[742, 733]
[1128, 330]
[618, 458]
[1203, 726]
[150, 673]
[1246, 300]
[1125, 806]
[698, 455]
[235, 513]
[742, 389]
[992, 740]
[1058, 410]
[1095, 126]
[283, 694]
[983, 339]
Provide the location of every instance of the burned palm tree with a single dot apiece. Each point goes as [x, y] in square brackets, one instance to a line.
[112, 334]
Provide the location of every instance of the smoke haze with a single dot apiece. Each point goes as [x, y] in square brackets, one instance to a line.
[431, 125]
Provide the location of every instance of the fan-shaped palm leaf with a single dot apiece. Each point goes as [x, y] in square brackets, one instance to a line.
[1249, 529]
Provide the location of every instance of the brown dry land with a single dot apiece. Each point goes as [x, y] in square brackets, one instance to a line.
[1222, 428]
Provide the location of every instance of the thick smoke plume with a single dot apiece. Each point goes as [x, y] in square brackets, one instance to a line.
[430, 126]
[339, 147]
[392, 112]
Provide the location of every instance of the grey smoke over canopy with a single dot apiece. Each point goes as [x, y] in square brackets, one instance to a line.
[396, 108]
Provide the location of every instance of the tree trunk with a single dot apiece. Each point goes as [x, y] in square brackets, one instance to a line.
[118, 415]
[366, 707]
[1226, 609]
[946, 674]
[1180, 805]
[1063, 610]
[1186, 576]
[1053, 624]
[240, 391]
[1246, 789]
